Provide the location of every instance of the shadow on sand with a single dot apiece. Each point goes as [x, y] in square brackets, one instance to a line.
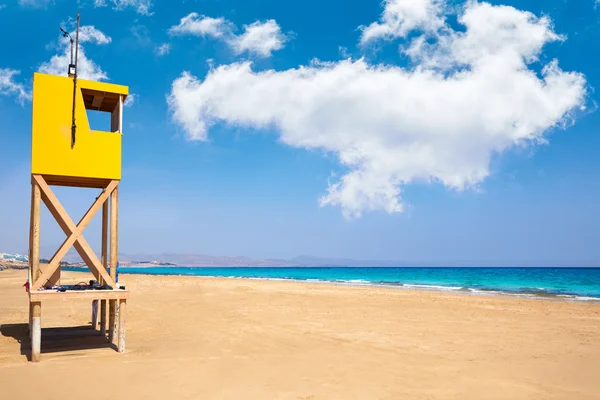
[58, 339]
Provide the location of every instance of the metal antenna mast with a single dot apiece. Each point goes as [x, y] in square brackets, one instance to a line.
[66, 34]
[74, 126]
[73, 72]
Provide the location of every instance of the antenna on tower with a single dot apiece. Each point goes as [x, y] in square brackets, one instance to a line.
[72, 72]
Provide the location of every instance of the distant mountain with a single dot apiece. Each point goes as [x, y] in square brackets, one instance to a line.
[204, 260]
[343, 262]
[200, 260]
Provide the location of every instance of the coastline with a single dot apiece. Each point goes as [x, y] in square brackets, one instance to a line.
[525, 293]
[243, 338]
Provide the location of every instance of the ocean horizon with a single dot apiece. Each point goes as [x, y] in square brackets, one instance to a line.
[575, 283]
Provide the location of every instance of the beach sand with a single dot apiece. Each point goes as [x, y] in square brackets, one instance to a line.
[204, 338]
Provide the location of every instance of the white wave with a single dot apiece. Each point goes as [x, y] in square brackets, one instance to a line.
[490, 292]
[436, 287]
[578, 298]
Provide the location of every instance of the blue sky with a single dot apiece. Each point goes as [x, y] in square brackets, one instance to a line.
[437, 131]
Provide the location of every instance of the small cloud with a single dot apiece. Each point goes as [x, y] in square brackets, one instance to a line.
[259, 38]
[163, 49]
[401, 17]
[199, 25]
[88, 33]
[344, 52]
[130, 100]
[141, 35]
[35, 3]
[141, 6]
[9, 87]
[86, 68]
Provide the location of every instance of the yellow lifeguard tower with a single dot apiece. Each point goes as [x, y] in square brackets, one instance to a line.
[66, 152]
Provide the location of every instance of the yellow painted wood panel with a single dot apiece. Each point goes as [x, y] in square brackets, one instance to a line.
[96, 154]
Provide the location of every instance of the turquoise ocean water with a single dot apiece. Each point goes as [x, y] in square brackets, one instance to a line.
[561, 283]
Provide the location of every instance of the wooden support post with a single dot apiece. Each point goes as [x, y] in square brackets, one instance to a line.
[122, 325]
[114, 232]
[30, 320]
[111, 319]
[114, 253]
[35, 233]
[36, 328]
[94, 314]
[103, 317]
[104, 259]
[34, 251]
[29, 256]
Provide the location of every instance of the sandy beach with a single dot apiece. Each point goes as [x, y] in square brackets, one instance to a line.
[192, 338]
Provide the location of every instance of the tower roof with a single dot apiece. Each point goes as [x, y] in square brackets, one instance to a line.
[99, 96]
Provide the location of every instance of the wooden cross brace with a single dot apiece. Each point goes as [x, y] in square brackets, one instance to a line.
[73, 232]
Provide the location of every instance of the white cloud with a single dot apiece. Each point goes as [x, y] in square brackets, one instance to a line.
[35, 3]
[86, 68]
[493, 32]
[141, 35]
[88, 33]
[391, 126]
[163, 49]
[9, 87]
[402, 16]
[200, 25]
[259, 38]
[140, 6]
[130, 100]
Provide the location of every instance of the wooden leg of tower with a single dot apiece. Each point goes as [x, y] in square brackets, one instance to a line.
[103, 317]
[94, 314]
[111, 319]
[114, 252]
[122, 325]
[34, 250]
[104, 260]
[29, 257]
[114, 232]
[34, 262]
[36, 334]
[30, 319]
